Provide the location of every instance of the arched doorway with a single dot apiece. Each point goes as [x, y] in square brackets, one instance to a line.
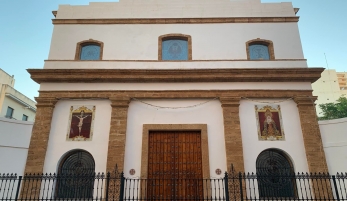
[275, 173]
[76, 175]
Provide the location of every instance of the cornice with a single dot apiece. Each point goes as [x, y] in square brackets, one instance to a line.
[305, 100]
[176, 75]
[46, 101]
[120, 102]
[178, 20]
[230, 101]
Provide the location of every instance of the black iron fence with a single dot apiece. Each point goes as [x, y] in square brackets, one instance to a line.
[233, 186]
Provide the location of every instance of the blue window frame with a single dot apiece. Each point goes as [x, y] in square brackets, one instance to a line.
[90, 52]
[175, 49]
[259, 52]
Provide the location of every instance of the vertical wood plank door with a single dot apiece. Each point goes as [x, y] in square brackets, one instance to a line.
[175, 166]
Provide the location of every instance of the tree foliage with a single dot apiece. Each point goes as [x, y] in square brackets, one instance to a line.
[334, 110]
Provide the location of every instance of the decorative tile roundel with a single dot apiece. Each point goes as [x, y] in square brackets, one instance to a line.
[218, 171]
[132, 172]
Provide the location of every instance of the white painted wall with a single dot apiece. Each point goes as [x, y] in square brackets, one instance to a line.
[209, 113]
[97, 147]
[293, 144]
[177, 86]
[209, 41]
[334, 137]
[14, 143]
[54, 64]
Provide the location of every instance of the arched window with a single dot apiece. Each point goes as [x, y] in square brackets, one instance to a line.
[175, 47]
[89, 50]
[76, 175]
[260, 49]
[276, 177]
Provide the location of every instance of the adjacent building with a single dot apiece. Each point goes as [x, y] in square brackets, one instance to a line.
[13, 104]
[17, 113]
[329, 87]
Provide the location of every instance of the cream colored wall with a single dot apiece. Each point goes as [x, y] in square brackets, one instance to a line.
[7, 87]
[58, 146]
[327, 89]
[176, 9]
[19, 108]
[177, 86]
[172, 65]
[209, 113]
[2, 96]
[335, 143]
[209, 42]
[252, 147]
[5, 78]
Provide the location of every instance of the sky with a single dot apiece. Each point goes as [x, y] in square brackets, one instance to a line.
[26, 30]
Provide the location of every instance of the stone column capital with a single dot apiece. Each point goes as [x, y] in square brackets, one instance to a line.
[305, 100]
[120, 102]
[230, 101]
[46, 101]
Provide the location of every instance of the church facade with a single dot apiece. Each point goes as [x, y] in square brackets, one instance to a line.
[167, 86]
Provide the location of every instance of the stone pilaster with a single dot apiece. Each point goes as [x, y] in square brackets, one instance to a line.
[40, 134]
[310, 130]
[116, 143]
[232, 132]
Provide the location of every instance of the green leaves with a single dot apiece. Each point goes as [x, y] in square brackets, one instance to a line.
[334, 110]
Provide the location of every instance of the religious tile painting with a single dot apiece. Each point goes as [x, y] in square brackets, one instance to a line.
[269, 122]
[80, 125]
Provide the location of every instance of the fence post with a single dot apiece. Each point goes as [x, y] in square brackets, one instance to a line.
[335, 187]
[107, 184]
[226, 186]
[240, 181]
[121, 190]
[18, 187]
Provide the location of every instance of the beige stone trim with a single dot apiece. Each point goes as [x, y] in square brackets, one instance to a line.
[175, 127]
[311, 134]
[232, 132]
[177, 75]
[312, 140]
[40, 134]
[88, 42]
[268, 43]
[117, 137]
[179, 20]
[173, 94]
[162, 38]
[45, 101]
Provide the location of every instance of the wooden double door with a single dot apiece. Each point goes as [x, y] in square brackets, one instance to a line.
[175, 166]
